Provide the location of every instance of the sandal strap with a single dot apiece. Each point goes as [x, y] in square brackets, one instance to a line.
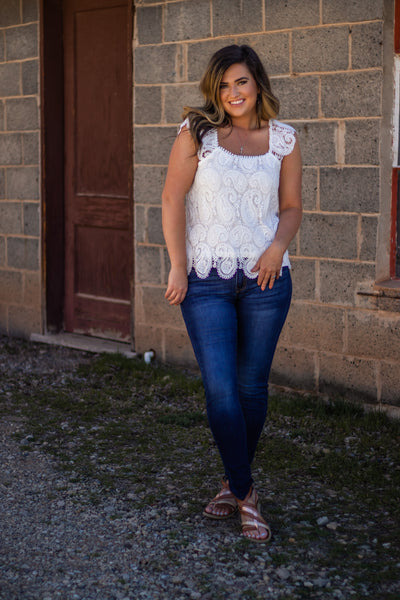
[250, 515]
[225, 496]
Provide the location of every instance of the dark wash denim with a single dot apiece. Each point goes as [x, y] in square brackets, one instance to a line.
[234, 327]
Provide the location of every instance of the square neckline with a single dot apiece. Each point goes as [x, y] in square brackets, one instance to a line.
[247, 155]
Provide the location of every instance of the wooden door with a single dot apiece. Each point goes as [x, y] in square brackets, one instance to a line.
[98, 167]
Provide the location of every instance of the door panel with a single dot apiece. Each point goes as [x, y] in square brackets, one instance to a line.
[98, 167]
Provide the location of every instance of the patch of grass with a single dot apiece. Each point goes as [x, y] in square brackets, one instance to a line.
[127, 427]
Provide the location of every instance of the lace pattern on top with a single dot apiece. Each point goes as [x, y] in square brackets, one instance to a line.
[209, 142]
[232, 208]
[282, 139]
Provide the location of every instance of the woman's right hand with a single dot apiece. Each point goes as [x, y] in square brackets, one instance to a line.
[177, 285]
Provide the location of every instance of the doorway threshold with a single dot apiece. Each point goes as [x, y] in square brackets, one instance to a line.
[84, 343]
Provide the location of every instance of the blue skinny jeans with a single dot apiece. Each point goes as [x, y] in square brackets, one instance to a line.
[234, 329]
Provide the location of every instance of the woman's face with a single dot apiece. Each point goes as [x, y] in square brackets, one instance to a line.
[238, 91]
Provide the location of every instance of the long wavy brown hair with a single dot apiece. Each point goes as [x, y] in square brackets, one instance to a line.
[212, 113]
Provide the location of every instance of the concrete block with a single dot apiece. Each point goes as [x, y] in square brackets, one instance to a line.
[2, 184]
[154, 226]
[293, 368]
[362, 142]
[329, 236]
[166, 265]
[236, 16]
[352, 189]
[314, 327]
[23, 253]
[2, 251]
[10, 13]
[324, 49]
[273, 50]
[32, 289]
[294, 13]
[158, 64]
[23, 183]
[22, 114]
[149, 337]
[149, 183]
[157, 310]
[298, 97]
[10, 287]
[153, 144]
[22, 321]
[199, 54]
[369, 229]
[349, 377]
[339, 282]
[309, 188]
[2, 47]
[343, 11]
[178, 348]
[10, 79]
[31, 219]
[10, 217]
[31, 148]
[388, 304]
[374, 335]
[317, 142]
[148, 265]
[303, 277]
[139, 306]
[292, 249]
[176, 97]
[10, 149]
[187, 20]
[30, 77]
[22, 42]
[390, 382]
[149, 24]
[147, 104]
[367, 45]
[2, 124]
[140, 223]
[30, 10]
[351, 94]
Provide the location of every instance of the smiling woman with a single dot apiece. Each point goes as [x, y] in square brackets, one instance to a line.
[239, 94]
[231, 206]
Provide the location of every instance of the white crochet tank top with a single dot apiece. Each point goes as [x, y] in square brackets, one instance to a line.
[232, 207]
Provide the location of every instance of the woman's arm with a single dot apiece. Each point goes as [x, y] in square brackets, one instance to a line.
[290, 210]
[181, 171]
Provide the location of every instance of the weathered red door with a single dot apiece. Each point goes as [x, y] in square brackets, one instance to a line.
[98, 167]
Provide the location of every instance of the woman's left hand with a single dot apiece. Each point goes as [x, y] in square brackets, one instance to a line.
[269, 266]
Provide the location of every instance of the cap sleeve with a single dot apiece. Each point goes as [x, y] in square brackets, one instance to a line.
[282, 139]
[185, 123]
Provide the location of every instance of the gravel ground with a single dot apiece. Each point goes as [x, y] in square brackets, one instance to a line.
[55, 544]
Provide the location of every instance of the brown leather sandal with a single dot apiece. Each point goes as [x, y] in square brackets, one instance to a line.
[224, 499]
[252, 521]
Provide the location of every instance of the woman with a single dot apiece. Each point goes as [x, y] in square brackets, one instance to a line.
[231, 206]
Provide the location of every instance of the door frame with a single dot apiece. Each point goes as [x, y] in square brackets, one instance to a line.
[52, 161]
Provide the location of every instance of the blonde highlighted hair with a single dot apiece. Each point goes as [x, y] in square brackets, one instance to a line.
[212, 113]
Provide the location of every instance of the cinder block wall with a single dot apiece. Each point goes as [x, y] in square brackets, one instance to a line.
[327, 64]
[20, 308]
